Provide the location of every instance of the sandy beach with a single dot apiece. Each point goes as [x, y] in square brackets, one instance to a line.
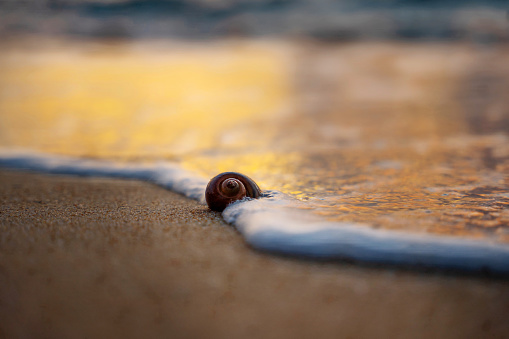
[105, 258]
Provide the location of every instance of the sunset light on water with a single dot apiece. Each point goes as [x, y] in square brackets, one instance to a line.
[377, 138]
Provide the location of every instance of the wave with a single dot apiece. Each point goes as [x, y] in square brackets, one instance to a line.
[447, 20]
[276, 224]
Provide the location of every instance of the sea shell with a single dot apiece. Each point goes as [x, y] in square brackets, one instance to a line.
[227, 187]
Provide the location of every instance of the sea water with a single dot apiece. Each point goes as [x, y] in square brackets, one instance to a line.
[378, 152]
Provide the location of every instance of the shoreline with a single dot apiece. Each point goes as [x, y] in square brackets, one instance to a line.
[276, 224]
[111, 257]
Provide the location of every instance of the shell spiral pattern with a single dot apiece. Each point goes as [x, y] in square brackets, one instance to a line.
[228, 187]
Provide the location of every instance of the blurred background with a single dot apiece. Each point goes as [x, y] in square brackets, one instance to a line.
[203, 19]
[393, 113]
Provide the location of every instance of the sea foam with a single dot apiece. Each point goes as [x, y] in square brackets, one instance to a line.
[274, 223]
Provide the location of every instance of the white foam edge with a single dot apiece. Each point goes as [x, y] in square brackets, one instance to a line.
[275, 224]
[165, 174]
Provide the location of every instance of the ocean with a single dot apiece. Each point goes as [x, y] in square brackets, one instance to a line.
[391, 152]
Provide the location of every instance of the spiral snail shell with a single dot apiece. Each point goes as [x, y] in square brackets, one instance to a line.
[227, 187]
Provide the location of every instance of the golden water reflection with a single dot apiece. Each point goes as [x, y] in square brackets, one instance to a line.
[400, 136]
[146, 100]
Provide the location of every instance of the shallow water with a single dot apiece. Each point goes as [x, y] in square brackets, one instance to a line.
[412, 137]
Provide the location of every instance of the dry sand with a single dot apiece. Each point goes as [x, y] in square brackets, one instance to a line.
[103, 258]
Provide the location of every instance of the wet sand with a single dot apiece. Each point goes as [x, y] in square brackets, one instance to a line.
[103, 258]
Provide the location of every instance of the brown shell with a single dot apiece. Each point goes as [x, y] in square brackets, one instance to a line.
[227, 187]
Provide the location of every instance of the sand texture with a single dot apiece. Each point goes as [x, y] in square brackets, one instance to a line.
[103, 258]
